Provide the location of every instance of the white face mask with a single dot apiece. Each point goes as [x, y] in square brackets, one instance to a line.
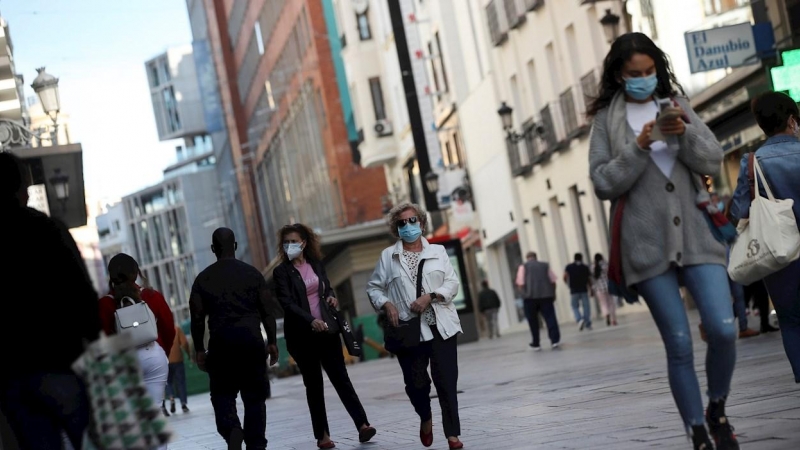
[293, 250]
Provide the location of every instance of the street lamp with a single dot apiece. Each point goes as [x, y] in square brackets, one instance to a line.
[432, 182]
[14, 133]
[610, 23]
[505, 115]
[60, 183]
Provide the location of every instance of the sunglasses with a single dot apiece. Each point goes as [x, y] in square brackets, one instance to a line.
[404, 222]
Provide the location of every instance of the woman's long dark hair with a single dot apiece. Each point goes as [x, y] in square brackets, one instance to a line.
[598, 268]
[312, 249]
[122, 273]
[621, 51]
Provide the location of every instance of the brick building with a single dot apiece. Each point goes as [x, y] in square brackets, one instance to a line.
[294, 156]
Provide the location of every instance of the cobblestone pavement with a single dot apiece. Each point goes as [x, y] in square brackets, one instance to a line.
[604, 389]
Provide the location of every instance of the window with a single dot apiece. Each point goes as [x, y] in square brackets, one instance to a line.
[259, 38]
[116, 225]
[533, 80]
[459, 152]
[721, 6]
[154, 80]
[171, 105]
[433, 71]
[440, 59]
[499, 35]
[364, 32]
[514, 18]
[649, 14]
[377, 98]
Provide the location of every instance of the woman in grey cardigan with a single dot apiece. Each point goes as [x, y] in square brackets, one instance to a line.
[663, 234]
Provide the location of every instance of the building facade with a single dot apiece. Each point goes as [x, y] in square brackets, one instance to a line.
[289, 141]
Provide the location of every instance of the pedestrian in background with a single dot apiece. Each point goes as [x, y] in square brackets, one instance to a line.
[233, 295]
[537, 285]
[653, 246]
[176, 381]
[304, 291]
[779, 117]
[393, 289]
[578, 277]
[489, 305]
[608, 304]
[40, 395]
[123, 271]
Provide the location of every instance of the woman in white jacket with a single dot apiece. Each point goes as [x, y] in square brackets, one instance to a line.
[393, 289]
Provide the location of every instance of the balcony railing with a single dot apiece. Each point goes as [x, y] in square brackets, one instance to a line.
[551, 130]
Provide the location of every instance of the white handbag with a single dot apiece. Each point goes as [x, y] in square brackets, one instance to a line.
[768, 241]
[137, 320]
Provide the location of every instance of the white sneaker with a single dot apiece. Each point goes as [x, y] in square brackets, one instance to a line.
[556, 345]
[581, 324]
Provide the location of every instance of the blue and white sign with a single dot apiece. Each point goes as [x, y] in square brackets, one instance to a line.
[720, 48]
[207, 81]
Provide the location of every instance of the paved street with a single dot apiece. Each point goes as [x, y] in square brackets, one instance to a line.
[605, 389]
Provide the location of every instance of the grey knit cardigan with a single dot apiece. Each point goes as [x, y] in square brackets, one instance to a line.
[661, 224]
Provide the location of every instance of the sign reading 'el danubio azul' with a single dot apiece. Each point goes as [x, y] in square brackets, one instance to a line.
[719, 48]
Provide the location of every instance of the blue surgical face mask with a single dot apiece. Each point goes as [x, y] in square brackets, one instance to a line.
[641, 88]
[409, 232]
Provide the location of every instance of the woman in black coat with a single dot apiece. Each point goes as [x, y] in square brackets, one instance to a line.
[305, 293]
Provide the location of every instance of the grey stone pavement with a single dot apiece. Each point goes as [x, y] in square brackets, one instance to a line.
[604, 389]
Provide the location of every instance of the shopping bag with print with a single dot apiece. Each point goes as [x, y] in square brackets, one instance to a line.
[769, 240]
[123, 415]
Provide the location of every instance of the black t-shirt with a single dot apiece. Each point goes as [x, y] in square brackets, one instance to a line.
[578, 277]
[229, 293]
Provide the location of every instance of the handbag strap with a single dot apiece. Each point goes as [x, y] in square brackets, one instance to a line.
[760, 173]
[419, 277]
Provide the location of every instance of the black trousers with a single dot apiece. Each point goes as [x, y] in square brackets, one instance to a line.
[232, 372]
[38, 406]
[544, 306]
[324, 351]
[758, 293]
[443, 358]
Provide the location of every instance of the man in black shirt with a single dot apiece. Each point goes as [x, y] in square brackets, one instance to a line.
[48, 288]
[234, 297]
[577, 276]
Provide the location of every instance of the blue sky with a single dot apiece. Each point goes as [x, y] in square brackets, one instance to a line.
[97, 49]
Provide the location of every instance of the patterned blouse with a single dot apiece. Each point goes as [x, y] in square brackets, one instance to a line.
[412, 261]
[601, 284]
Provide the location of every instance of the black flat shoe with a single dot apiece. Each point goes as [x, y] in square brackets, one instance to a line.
[365, 434]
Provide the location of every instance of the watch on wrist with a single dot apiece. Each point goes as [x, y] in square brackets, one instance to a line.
[434, 296]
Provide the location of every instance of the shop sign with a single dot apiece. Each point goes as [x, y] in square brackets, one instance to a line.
[720, 48]
[787, 76]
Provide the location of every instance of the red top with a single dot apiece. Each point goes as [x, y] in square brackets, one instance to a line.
[164, 321]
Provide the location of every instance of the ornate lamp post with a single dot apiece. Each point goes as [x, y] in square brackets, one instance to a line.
[610, 23]
[13, 133]
[505, 113]
[60, 184]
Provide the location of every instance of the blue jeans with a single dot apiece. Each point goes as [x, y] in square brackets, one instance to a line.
[739, 306]
[784, 288]
[708, 285]
[176, 382]
[578, 299]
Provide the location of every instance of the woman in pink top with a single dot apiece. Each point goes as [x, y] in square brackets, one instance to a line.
[304, 292]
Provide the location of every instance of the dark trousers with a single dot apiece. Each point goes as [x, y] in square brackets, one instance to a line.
[543, 306]
[176, 382]
[758, 293]
[39, 406]
[324, 351]
[230, 373]
[784, 287]
[443, 358]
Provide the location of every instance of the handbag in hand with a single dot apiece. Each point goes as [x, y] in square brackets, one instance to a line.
[329, 316]
[405, 336]
[343, 328]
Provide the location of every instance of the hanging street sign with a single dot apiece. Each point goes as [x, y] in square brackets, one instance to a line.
[720, 48]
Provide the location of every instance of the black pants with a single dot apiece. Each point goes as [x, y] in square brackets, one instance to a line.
[543, 306]
[39, 406]
[324, 351]
[232, 372]
[758, 293]
[443, 358]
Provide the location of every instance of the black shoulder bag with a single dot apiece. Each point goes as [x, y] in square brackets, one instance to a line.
[405, 336]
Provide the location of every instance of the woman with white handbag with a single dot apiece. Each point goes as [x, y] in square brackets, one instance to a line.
[130, 308]
[768, 195]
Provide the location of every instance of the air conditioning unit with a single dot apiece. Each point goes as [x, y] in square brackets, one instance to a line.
[383, 128]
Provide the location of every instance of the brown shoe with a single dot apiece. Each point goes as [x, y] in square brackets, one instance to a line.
[702, 333]
[748, 333]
